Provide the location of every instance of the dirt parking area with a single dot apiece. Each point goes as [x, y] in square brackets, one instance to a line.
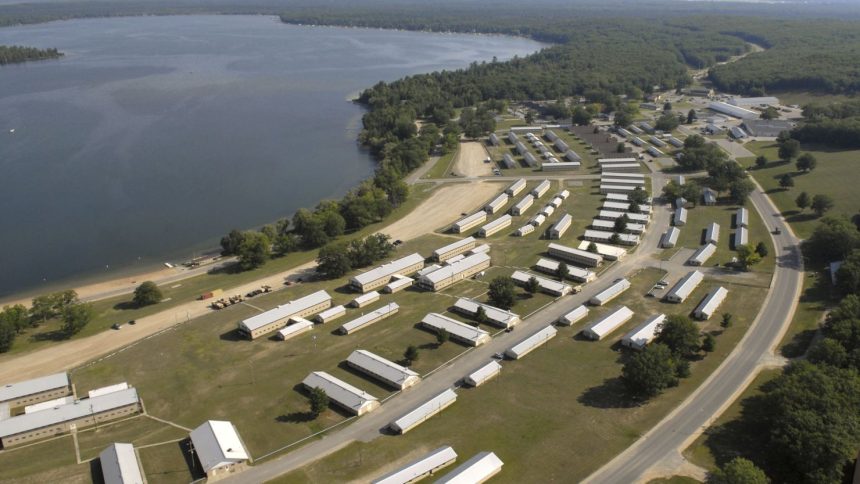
[469, 161]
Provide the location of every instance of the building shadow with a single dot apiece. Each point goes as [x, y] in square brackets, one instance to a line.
[233, 335]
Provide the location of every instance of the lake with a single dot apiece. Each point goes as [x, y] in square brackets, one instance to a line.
[154, 136]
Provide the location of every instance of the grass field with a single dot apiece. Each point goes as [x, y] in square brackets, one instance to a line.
[442, 167]
[120, 309]
[557, 415]
[674, 480]
[836, 175]
[698, 219]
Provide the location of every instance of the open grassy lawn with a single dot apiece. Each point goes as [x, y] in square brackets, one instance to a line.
[698, 219]
[556, 415]
[51, 461]
[139, 431]
[836, 175]
[443, 166]
[168, 464]
[674, 480]
[726, 437]
[803, 98]
[121, 309]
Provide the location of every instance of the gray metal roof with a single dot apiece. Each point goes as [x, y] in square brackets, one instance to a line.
[119, 465]
[285, 310]
[13, 391]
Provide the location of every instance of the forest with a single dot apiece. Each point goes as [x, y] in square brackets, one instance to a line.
[836, 124]
[16, 53]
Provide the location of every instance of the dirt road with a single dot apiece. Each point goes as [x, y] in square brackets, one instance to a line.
[469, 161]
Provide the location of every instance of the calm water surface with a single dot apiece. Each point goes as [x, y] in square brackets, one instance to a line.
[154, 136]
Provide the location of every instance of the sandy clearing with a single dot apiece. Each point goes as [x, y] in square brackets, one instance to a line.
[442, 209]
[470, 160]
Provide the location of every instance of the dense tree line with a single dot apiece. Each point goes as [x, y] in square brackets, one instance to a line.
[835, 124]
[335, 260]
[63, 305]
[11, 54]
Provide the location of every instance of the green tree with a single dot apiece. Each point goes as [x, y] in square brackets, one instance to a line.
[7, 335]
[737, 471]
[532, 285]
[788, 150]
[333, 261]
[638, 196]
[806, 163]
[691, 116]
[786, 181]
[442, 336]
[667, 106]
[502, 293]
[709, 343]
[726, 322]
[614, 239]
[254, 250]
[481, 315]
[740, 190]
[270, 231]
[76, 317]
[620, 224]
[821, 203]
[147, 293]
[619, 148]
[581, 116]
[411, 354]
[680, 335]
[833, 239]
[16, 316]
[48, 306]
[563, 271]
[828, 351]
[230, 243]
[761, 162]
[592, 247]
[623, 118]
[319, 401]
[666, 122]
[770, 113]
[761, 249]
[285, 243]
[802, 201]
[649, 372]
[747, 257]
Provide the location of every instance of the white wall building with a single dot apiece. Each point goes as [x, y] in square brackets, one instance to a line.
[348, 397]
[458, 331]
[610, 293]
[366, 320]
[494, 315]
[531, 343]
[608, 323]
[702, 254]
[420, 468]
[711, 303]
[120, 465]
[380, 276]
[273, 319]
[382, 369]
[479, 468]
[454, 249]
[495, 226]
[423, 412]
[219, 448]
[670, 238]
[685, 286]
[483, 374]
[548, 286]
[645, 333]
[578, 313]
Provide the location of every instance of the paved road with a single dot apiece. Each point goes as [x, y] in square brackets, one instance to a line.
[675, 432]
[371, 425]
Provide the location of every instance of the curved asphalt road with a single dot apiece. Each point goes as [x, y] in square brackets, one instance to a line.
[677, 430]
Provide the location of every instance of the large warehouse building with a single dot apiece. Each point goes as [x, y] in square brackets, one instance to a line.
[219, 448]
[276, 318]
[380, 276]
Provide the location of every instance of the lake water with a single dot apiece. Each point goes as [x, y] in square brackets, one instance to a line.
[154, 136]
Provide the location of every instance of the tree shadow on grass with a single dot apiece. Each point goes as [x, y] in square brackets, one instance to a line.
[233, 268]
[801, 217]
[125, 305]
[744, 436]
[611, 394]
[56, 335]
[295, 417]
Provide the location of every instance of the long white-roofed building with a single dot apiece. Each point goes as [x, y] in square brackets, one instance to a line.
[712, 233]
[670, 238]
[679, 218]
[119, 465]
[609, 225]
[560, 227]
[577, 314]
[366, 320]
[530, 159]
[606, 237]
[605, 180]
[548, 286]
[547, 210]
[523, 205]
[741, 236]
[516, 187]
[456, 272]
[458, 331]
[55, 421]
[611, 161]
[556, 201]
[685, 286]
[711, 303]
[298, 326]
[617, 197]
[622, 167]
[469, 222]
[512, 137]
[423, 412]
[219, 448]
[348, 397]
[382, 369]
[734, 111]
[420, 468]
[97, 392]
[656, 141]
[608, 324]
[495, 226]
[524, 230]
[639, 218]
[508, 161]
[702, 254]
[538, 220]
[610, 293]
[541, 189]
[494, 315]
[480, 468]
[531, 343]
[742, 217]
[483, 374]
[494, 140]
[331, 314]
[608, 252]
[398, 284]
[365, 299]
[576, 256]
[276, 318]
[453, 249]
[36, 390]
[645, 333]
[578, 274]
[497, 203]
[47, 404]
[624, 207]
[572, 156]
[380, 276]
[616, 188]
